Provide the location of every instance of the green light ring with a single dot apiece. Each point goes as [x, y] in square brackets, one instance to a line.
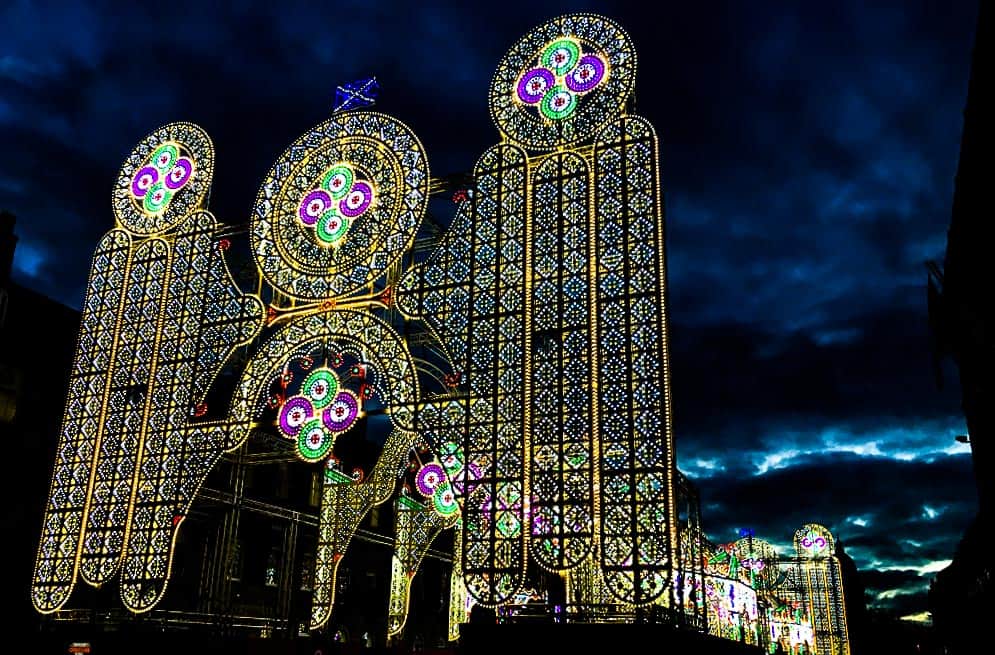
[166, 148]
[333, 388]
[341, 169]
[304, 449]
[573, 50]
[329, 236]
[557, 114]
[153, 207]
[437, 502]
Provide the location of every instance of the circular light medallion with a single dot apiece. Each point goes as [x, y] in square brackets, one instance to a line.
[533, 85]
[180, 173]
[342, 412]
[321, 386]
[587, 55]
[337, 181]
[429, 477]
[143, 181]
[314, 204]
[314, 441]
[357, 200]
[294, 413]
[161, 152]
[587, 75]
[331, 227]
[558, 103]
[561, 55]
[157, 198]
[444, 500]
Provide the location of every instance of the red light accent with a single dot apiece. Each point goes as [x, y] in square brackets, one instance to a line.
[224, 245]
[200, 410]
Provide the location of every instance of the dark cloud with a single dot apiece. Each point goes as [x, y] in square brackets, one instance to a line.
[808, 155]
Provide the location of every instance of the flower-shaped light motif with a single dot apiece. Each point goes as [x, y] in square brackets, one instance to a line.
[563, 75]
[432, 481]
[814, 542]
[164, 173]
[317, 415]
[338, 200]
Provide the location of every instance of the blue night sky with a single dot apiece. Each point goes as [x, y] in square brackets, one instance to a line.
[808, 155]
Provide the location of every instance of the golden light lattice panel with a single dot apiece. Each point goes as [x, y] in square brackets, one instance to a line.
[415, 527]
[177, 318]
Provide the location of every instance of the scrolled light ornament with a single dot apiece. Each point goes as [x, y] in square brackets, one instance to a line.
[340, 206]
[563, 81]
[166, 176]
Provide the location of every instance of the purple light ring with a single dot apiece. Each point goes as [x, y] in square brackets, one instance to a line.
[136, 190]
[314, 195]
[361, 187]
[429, 478]
[285, 417]
[523, 83]
[340, 423]
[584, 86]
[186, 166]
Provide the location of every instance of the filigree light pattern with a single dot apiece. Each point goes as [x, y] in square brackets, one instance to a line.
[562, 501]
[561, 126]
[634, 411]
[178, 318]
[56, 566]
[586, 586]
[120, 438]
[415, 527]
[202, 320]
[344, 503]
[184, 179]
[381, 152]
[732, 609]
[758, 563]
[597, 395]
[495, 291]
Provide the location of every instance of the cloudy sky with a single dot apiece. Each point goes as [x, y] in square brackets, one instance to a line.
[808, 155]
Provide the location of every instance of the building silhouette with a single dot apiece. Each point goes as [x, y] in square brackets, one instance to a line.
[962, 316]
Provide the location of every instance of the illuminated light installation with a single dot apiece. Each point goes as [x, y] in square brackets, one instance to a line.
[370, 171]
[460, 603]
[384, 207]
[160, 318]
[415, 527]
[547, 293]
[791, 628]
[344, 503]
[418, 522]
